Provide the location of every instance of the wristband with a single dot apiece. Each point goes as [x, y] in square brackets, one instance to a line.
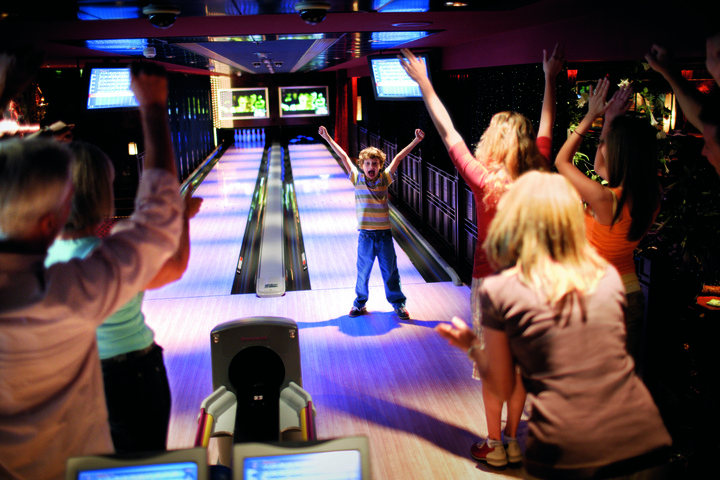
[579, 134]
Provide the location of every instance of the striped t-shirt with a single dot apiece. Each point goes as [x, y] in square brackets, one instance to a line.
[371, 200]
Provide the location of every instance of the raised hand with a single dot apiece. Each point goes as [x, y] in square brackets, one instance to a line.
[596, 101]
[619, 103]
[419, 134]
[192, 205]
[659, 60]
[322, 131]
[149, 84]
[414, 67]
[554, 64]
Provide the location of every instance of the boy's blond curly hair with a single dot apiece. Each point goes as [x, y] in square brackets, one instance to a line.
[371, 152]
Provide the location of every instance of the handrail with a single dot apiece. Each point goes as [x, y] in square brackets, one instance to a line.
[199, 174]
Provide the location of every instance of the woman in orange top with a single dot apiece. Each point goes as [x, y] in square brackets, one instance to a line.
[617, 215]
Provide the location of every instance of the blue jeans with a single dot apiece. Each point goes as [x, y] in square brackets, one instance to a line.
[371, 244]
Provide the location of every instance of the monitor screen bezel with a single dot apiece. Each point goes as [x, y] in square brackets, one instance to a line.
[394, 56]
[243, 451]
[249, 90]
[290, 114]
[88, 71]
[78, 465]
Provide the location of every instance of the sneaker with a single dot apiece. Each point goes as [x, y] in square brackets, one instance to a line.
[494, 456]
[402, 313]
[514, 454]
[356, 312]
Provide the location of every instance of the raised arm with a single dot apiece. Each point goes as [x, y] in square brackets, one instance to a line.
[597, 196]
[150, 86]
[175, 266]
[551, 67]
[392, 168]
[415, 68]
[690, 99]
[618, 106]
[347, 163]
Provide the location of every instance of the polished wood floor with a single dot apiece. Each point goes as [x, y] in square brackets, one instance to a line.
[397, 382]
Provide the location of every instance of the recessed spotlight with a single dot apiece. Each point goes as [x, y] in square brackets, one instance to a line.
[456, 4]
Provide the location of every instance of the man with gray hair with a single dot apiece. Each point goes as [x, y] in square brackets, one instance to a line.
[52, 404]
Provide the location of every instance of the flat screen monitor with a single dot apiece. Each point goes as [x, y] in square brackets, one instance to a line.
[337, 459]
[190, 464]
[389, 80]
[242, 103]
[110, 88]
[304, 101]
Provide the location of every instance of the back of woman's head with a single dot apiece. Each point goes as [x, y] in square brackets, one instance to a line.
[632, 164]
[508, 148]
[539, 227]
[93, 176]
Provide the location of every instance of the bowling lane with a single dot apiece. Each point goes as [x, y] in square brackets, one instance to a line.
[216, 232]
[326, 201]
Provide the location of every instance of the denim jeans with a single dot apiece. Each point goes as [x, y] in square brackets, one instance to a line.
[137, 393]
[371, 244]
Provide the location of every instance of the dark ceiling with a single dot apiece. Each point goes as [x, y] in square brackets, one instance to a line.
[260, 36]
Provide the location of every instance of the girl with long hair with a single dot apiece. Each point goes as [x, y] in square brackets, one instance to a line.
[618, 215]
[555, 312]
[507, 149]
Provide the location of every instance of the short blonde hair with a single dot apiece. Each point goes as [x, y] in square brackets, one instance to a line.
[539, 229]
[371, 152]
[508, 148]
[93, 176]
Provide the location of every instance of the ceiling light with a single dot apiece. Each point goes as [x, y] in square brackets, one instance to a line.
[456, 4]
[413, 24]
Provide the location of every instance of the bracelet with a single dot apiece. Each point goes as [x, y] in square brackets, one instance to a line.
[580, 134]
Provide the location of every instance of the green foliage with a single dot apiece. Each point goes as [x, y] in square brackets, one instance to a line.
[584, 164]
[687, 230]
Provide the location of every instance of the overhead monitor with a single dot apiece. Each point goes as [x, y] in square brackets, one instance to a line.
[242, 103]
[304, 101]
[109, 87]
[389, 80]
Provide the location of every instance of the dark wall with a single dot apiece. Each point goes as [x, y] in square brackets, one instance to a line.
[471, 97]
[190, 114]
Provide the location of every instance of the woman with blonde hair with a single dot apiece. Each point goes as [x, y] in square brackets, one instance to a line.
[507, 149]
[137, 392]
[555, 312]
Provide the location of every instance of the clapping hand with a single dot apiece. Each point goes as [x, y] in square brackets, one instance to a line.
[619, 103]
[596, 100]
